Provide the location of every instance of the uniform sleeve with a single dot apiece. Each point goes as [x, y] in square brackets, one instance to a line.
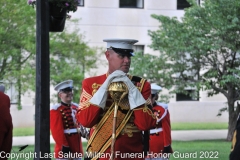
[56, 127]
[87, 113]
[166, 126]
[8, 102]
[144, 119]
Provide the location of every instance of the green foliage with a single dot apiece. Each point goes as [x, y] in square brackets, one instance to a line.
[70, 56]
[14, 49]
[149, 67]
[200, 51]
[17, 37]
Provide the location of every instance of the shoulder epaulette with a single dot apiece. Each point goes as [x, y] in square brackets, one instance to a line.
[55, 106]
[138, 82]
[164, 105]
[137, 79]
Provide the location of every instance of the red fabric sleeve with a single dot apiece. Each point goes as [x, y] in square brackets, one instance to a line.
[88, 114]
[56, 127]
[165, 124]
[167, 140]
[143, 116]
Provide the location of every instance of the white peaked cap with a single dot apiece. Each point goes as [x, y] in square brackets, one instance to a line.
[63, 85]
[2, 88]
[120, 43]
[155, 88]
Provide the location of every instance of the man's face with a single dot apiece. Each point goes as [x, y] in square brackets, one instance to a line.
[117, 61]
[154, 97]
[66, 96]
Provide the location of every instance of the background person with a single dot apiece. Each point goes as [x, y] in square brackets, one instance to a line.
[96, 106]
[6, 125]
[160, 137]
[64, 128]
[235, 149]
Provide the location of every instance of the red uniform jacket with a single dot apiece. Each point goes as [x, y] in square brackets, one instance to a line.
[160, 137]
[142, 118]
[6, 125]
[62, 117]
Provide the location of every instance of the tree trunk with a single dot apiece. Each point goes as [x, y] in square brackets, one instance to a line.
[231, 125]
[232, 119]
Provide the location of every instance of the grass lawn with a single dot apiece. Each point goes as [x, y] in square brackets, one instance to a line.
[190, 150]
[26, 131]
[23, 131]
[197, 150]
[28, 152]
[209, 149]
[198, 126]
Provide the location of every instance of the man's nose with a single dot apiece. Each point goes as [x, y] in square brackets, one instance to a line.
[126, 59]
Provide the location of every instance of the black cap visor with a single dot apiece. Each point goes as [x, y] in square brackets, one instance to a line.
[123, 52]
[68, 89]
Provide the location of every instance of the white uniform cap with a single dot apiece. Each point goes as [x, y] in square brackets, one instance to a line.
[63, 85]
[155, 88]
[120, 43]
[2, 88]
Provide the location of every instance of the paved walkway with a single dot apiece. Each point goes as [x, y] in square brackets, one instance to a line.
[199, 135]
[176, 135]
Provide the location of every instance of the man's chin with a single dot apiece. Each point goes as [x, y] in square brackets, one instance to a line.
[125, 70]
[70, 99]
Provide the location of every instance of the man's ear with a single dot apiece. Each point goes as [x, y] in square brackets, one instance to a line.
[107, 53]
[59, 94]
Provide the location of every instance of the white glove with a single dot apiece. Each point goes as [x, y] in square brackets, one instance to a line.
[100, 97]
[134, 96]
[84, 132]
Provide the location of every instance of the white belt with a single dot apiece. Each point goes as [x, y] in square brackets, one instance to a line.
[73, 130]
[156, 130]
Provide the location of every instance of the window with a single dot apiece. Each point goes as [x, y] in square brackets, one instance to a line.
[138, 48]
[81, 3]
[131, 3]
[187, 97]
[181, 4]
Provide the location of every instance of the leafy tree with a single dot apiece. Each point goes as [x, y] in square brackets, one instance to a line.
[201, 50]
[70, 56]
[17, 37]
[149, 67]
